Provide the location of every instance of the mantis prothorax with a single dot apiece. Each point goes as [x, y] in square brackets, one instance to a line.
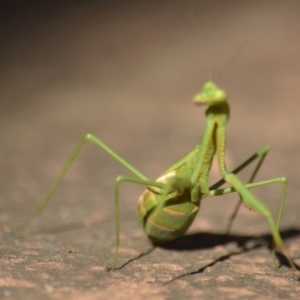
[169, 204]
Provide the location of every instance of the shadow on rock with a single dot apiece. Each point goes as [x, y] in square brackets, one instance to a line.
[208, 240]
[205, 240]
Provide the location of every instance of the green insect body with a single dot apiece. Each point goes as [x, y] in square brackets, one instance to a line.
[177, 214]
[169, 205]
[171, 219]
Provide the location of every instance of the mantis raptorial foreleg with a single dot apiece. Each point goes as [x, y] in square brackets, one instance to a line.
[246, 196]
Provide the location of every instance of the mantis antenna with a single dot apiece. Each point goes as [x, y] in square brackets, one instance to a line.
[231, 61]
[205, 56]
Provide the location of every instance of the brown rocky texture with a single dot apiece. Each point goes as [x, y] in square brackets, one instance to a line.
[127, 73]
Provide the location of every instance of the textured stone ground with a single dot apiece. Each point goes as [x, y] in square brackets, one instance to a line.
[127, 73]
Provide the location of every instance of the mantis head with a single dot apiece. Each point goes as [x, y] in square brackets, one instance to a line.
[210, 95]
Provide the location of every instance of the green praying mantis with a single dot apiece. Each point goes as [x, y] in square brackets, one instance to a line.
[169, 204]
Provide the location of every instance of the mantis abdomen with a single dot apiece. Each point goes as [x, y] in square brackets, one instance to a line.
[169, 221]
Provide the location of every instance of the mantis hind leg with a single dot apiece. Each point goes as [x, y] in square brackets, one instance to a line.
[87, 138]
[247, 197]
[255, 204]
[260, 155]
